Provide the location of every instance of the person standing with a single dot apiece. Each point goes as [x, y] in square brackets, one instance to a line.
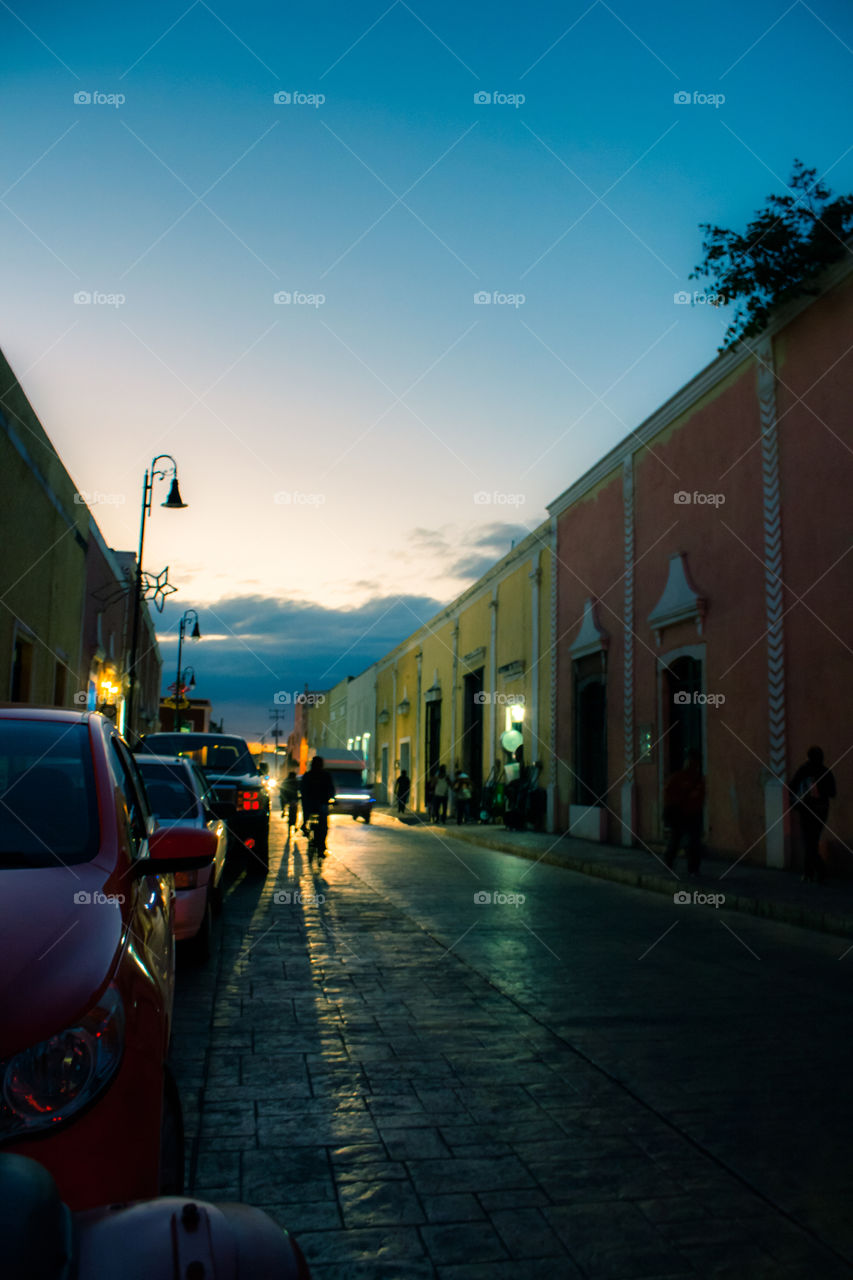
[811, 789]
[683, 808]
[440, 793]
[402, 790]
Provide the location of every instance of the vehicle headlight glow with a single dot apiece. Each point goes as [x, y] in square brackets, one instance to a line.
[52, 1081]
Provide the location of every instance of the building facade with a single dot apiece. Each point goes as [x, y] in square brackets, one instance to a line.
[705, 596]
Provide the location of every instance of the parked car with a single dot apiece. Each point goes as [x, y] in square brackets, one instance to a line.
[349, 774]
[179, 794]
[240, 796]
[87, 959]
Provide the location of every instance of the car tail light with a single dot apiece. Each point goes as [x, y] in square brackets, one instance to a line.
[186, 879]
[50, 1082]
[248, 800]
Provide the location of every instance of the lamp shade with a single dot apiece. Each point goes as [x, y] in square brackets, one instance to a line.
[195, 634]
[174, 500]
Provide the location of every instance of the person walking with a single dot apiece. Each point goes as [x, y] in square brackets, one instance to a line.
[463, 798]
[402, 790]
[440, 793]
[289, 796]
[811, 789]
[683, 808]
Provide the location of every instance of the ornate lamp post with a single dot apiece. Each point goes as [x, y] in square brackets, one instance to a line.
[195, 634]
[174, 502]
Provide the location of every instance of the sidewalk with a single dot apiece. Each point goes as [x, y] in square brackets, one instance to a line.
[758, 891]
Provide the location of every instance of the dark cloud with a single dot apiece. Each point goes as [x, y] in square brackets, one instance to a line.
[491, 544]
[278, 646]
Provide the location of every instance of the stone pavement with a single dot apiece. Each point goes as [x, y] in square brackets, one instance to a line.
[405, 1118]
[759, 891]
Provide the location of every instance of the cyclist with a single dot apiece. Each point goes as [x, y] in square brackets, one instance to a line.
[317, 789]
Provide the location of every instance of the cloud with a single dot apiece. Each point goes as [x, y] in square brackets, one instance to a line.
[259, 646]
[491, 544]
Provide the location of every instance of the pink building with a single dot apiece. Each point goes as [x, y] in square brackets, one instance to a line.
[704, 597]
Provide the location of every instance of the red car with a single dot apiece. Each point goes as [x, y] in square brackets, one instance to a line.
[87, 959]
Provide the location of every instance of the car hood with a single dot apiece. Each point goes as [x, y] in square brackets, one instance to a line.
[56, 954]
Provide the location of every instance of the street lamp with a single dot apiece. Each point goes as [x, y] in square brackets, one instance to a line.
[174, 502]
[195, 634]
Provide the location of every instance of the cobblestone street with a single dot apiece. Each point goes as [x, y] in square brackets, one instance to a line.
[419, 1084]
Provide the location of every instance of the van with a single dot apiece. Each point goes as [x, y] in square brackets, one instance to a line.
[349, 774]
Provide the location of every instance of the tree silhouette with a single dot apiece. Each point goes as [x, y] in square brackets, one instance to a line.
[780, 255]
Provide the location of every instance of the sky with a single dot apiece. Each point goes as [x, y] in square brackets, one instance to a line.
[384, 279]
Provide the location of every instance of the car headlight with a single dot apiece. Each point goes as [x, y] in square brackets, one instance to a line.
[52, 1081]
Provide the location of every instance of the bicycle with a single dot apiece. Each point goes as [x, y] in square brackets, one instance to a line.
[315, 828]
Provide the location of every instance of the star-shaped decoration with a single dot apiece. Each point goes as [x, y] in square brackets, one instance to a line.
[156, 586]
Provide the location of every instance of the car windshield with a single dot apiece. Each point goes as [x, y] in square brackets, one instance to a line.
[213, 754]
[348, 779]
[48, 805]
[170, 791]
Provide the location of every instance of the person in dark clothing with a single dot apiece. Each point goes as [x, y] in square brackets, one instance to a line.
[811, 789]
[289, 796]
[402, 790]
[317, 790]
[683, 806]
[440, 793]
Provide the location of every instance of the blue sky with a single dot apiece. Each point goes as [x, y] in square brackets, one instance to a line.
[315, 436]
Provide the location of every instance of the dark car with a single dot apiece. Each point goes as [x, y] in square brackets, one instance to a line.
[240, 796]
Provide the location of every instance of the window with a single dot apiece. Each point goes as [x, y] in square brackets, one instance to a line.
[48, 804]
[170, 792]
[133, 807]
[22, 669]
[590, 729]
[60, 681]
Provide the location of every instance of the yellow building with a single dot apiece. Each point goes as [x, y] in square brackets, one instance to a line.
[482, 666]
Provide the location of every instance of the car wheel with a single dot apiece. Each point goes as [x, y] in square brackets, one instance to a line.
[367, 816]
[171, 1139]
[198, 948]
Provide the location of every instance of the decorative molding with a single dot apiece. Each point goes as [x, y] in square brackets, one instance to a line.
[433, 694]
[773, 601]
[474, 655]
[592, 638]
[512, 670]
[681, 600]
[628, 617]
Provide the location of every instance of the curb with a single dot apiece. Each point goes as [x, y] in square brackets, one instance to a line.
[790, 913]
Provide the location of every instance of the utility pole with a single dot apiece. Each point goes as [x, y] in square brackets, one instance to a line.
[276, 732]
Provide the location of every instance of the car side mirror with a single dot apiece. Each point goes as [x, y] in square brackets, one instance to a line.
[177, 849]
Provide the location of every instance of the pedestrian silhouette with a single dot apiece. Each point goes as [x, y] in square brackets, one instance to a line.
[811, 789]
[683, 806]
